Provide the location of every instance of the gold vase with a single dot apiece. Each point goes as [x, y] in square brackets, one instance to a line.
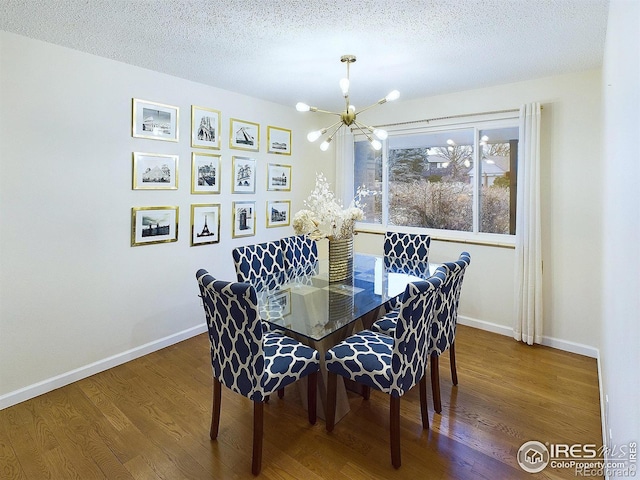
[340, 259]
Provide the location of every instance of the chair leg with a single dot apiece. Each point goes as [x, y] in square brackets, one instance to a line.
[394, 427]
[281, 393]
[258, 422]
[312, 400]
[435, 383]
[423, 401]
[215, 409]
[366, 392]
[452, 360]
[330, 414]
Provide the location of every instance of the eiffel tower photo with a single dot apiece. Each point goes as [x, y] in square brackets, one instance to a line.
[205, 230]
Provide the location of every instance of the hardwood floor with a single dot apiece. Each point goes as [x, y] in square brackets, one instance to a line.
[149, 419]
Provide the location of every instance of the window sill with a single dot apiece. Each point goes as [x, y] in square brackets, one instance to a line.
[487, 239]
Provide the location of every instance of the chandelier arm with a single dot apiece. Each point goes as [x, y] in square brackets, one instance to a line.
[314, 109]
[361, 127]
[379, 102]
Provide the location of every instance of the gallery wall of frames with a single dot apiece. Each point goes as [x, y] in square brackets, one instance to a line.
[152, 224]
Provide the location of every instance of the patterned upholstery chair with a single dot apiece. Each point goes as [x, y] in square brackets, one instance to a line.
[443, 330]
[261, 265]
[300, 255]
[394, 364]
[442, 334]
[401, 251]
[407, 245]
[247, 360]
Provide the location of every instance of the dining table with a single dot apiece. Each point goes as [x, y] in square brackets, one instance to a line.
[304, 304]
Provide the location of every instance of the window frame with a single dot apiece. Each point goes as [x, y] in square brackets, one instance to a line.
[471, 237]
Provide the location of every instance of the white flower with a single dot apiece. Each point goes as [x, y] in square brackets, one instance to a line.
[324, 216]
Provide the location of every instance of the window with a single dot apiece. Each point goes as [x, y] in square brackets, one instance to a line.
[457, 179]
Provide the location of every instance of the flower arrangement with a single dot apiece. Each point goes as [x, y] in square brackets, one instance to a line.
[325, 217]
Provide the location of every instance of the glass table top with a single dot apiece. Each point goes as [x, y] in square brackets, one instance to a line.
[307, 304]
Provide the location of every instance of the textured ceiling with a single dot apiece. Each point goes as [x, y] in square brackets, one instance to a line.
[289, 50]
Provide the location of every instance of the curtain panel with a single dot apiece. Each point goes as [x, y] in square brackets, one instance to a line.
[528, 270]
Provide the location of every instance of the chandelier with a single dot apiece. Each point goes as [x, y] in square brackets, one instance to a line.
[348, 117]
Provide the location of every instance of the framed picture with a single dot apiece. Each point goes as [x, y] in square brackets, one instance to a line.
[205, 128]
[205, 173]
[153, 225]
[244, 219]
[279, 304]
[278, 177]
[244, 175]
[156, 121]
[278, 213]
[278, 140]
[205, 224]
[244, 135]
[154, 171]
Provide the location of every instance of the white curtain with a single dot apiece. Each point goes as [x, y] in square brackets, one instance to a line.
[528, 281]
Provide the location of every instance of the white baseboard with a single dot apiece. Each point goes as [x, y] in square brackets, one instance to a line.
[31, 391]
[564, 345]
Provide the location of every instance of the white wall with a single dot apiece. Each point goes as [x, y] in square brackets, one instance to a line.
[75, 297]
[620, 352]
[571, 173]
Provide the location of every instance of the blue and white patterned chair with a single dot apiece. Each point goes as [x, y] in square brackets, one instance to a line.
[443, 329]
[394, 364]
[407, 245]
[247, 360]
[404, 252]
[300, 255]
[261, 265]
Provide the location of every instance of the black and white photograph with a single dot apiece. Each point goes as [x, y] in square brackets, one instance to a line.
[244, 219]
[205, 173]
[278, 177]
[153, 225]
[244, 175]
[278, 140]
[205, 128]
[278, 213]
[244, 135]
[156, 121]
[154, 171]
[205, 224]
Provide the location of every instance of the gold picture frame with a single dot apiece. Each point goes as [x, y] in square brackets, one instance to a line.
[278, 140]
[244, 135]
[155, 121]
[244, 219]
[154, 171]
[205, 224]
[143, 219]
[278, 213]
[205, 173]
[205, 128]
[243, 171]
[278, 177]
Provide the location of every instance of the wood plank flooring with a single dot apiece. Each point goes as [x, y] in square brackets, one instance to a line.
[149, 419]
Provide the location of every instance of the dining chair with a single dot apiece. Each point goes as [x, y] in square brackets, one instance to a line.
[261, 265]
[248, 360]
[300, 254]
[391, 364]
[407, 245]
[442, 333]
[404, 248]
[443, 330]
